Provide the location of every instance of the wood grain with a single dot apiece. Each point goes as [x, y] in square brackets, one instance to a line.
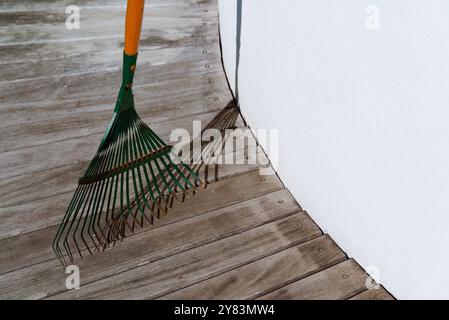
[89, 62]
[48, 24]
[76, 120]
[265, 275]
[96, 84]
[339, 282]
[35, 247]
[198, 264]
[374, 294]
[46, 183]
[133, 259]
[74, 151]
[23, 194]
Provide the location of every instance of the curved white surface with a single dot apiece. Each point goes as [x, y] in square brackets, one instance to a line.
[364, 123]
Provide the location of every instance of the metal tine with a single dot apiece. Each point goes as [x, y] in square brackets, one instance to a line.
[106, 165]
[113, 184]
[127, 195]
[141, 194]
[121, 138]
[78, 204]
[127, 158]
[149, 187]
[56, 246]
[138, 153]
[89, 215]
[98, 212]
[153, 141]
[114, 179]
[74, 237]
[73, 208]
[151, 144]
[99, 166]
[83, 212]
[117, 231]
[124, 187]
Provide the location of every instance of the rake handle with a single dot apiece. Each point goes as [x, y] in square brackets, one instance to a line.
[133, 26]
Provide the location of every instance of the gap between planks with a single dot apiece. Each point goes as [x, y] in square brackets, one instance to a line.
[338, 282]
[32, 245]
[262, 276]
[36, 211]
[163, 276]
[149, 247]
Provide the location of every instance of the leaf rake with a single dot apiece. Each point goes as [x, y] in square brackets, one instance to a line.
[133, 177]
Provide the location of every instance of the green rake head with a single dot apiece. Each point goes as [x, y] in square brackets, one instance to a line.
[132, 179]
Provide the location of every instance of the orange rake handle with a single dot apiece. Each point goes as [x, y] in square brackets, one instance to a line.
[133, 26]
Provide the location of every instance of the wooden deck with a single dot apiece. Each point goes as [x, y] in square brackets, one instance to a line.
[244, 237]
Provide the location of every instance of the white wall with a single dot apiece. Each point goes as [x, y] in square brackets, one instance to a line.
[364, 123]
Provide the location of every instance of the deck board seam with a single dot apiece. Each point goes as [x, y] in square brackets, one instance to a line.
[79, 138]
[295, 243]
[186, 116]
[96, 71]
[86, 163]
[323, 270]
[261, 258]
[296, 211]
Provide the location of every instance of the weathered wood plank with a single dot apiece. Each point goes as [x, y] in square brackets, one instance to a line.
[22, 218]
[56, 5]
[374, 294]
[78, 60]
[92, 8]
[35, 247]
[43, 185]
[148, 104]
[37, 26]
[73, 151]
[39, 52]
[83, 62]
[265, 275]
[143, 251]
[339, 282]
[186, 268]
[102, 83]
[47, 183]
[66, 124]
